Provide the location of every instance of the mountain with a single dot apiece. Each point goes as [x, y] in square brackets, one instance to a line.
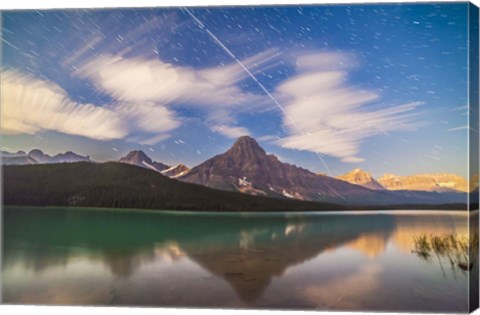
[9, 154]
[105, 185]
[18, 158]
[38, 157]
[86, 184]
[139, 158]
[69, 157]
[247, 168]
[362, 178]
[176, 171]
[425, 182]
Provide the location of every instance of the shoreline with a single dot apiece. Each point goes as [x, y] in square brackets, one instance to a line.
[258, 213]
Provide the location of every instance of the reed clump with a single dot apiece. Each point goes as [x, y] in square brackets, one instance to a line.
[460, 251]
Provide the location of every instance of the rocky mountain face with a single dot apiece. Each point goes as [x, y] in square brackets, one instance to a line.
[139, 158]
[176, 171]
[362, 178]
[425, 182]
[69, 157]
[38, 157]
[247, 168]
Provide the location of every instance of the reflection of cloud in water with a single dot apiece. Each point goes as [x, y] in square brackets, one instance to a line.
[373, 244]
[334, 293]
[409, 226]
[247, 237]
[370, 244]
[294, 228]
[170, 252]
[124, 264]
[80, 282]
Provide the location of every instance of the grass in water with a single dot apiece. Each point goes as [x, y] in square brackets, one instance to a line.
[459, 251]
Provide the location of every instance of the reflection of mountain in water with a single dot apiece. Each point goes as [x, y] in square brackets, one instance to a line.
[265, 250]
[246, 251]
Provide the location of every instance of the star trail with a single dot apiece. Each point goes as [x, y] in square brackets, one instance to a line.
[382, 87]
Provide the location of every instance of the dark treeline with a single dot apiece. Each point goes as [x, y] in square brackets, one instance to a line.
[116, 185]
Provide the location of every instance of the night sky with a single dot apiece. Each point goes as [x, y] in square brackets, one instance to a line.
[328, 88]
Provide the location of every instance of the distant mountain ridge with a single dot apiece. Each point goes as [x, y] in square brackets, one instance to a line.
[104, 185]
[135, 157]
[248, 169]
[362, 178]
[425, 182]
[139, 158]
[36, 156]
[39, 156]
[437, 182]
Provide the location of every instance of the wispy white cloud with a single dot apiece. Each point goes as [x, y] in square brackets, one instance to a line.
[147, 117]
[216, 91]
[325, 114]
[322, 112]
[136, 40]
[148, 140]
[324, 61]
[87, 47]
[31, 105]
[153, 80]
[145, 91]
[267, 138]
[231, 131]
[352, 159]
[458, 128]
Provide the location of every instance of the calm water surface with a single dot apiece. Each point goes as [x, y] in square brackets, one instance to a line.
[322, 261]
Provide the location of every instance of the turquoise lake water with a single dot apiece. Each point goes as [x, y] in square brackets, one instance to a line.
[338, 261]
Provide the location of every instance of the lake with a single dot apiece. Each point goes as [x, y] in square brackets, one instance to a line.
[326, 261]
